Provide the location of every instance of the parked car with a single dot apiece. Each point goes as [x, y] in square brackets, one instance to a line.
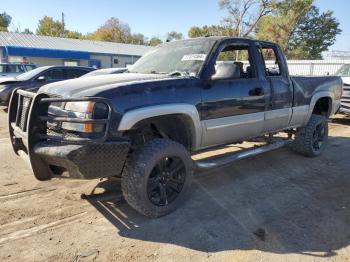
[183, 97]
[37, 78]
[14, 69]
[106, 71]
[344, 72]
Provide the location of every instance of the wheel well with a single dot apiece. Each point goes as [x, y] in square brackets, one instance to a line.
[177, 127]
[323, 106]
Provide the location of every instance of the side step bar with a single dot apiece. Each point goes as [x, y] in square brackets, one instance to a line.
[206, 164]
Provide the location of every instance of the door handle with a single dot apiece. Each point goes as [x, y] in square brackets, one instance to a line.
[258, 91]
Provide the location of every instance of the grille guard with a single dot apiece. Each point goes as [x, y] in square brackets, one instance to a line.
[26, 132]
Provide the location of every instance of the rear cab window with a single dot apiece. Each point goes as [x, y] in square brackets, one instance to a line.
[272, 60]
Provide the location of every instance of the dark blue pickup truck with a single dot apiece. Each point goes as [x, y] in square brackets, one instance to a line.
[181, 98]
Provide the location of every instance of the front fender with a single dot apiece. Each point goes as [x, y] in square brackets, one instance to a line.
[132, 117]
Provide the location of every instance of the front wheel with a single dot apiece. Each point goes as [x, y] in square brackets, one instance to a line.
[312, 139]
[157, 177]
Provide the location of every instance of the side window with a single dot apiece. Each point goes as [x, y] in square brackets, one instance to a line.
[271, 60]
[29, 67]
[235, 60]
[54, 74]
[75, 73]
[14, 69]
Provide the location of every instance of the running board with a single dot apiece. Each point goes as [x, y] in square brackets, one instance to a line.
[206, 164]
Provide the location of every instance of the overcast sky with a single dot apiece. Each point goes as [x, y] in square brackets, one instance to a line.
[149, 17]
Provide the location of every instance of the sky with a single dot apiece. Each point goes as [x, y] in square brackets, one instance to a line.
[149, 17]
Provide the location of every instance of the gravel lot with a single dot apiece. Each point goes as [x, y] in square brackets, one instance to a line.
[273, 207]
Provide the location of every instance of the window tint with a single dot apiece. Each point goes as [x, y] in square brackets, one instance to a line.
[55, 74]
[14, 69]
[75, 73]
[11, 69]
[272, 63]
[29, 67]
[238, 56]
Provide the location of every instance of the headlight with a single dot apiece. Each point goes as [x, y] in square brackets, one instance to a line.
[86, 110]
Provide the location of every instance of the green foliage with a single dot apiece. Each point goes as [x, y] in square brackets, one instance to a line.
[315, 34]
[113, 30]
[154, 41]
[299, 28]
[5, 21]
[281, 24]
[212, 30]
[49, 27]
[173, 35]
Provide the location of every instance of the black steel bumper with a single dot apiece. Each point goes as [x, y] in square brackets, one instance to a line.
[54, 156]
[84, 161]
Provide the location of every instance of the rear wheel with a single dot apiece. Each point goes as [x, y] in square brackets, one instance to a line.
[312, 139]
[157, 177]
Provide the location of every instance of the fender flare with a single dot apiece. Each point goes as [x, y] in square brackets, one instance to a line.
[315, 98]
[134, 116]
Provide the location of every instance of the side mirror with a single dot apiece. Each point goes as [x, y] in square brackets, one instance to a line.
[41, 78]
[226, 71]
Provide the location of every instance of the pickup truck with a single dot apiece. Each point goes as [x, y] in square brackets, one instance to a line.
[181, 98]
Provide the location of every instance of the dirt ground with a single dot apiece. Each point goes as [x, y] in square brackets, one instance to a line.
[274, 207]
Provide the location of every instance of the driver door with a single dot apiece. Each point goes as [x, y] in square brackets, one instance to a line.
[233, 106]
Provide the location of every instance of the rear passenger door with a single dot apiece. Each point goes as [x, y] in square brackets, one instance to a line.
[279, 108]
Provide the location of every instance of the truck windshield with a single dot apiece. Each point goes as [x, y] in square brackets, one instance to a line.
[179, 58]
[343, 71]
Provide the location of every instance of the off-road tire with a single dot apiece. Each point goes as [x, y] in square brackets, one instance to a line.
[138, 168]
[304, 137]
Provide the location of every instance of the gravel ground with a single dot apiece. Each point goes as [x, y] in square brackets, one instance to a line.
[273, 207]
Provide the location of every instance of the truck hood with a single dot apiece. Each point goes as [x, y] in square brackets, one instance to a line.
[90, 86]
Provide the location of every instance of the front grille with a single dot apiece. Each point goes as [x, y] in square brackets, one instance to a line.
[345, 100]
[23, 110]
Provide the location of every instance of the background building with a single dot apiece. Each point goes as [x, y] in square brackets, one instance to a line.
[46, 50]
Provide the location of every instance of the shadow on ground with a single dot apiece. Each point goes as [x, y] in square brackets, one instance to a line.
[279, 202]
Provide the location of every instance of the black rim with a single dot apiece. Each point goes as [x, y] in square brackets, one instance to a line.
[166, 181]
[319, 136]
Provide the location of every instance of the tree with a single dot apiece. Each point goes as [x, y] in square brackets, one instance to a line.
[173, 35]
[5, 21]
[212, 30]
[49, 27]
[315, 34]
[298, 27]
[280, 26]
[244, 15]
[73, 34]
[113, 30]
[27, 31]
[138, 39]
[154, 41]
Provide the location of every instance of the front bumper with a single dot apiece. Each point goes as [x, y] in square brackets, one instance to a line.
[51, 156]
[84, 161]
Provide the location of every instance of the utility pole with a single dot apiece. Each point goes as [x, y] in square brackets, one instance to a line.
[63, 26]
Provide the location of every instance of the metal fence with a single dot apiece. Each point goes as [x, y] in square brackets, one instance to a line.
[313, 67]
